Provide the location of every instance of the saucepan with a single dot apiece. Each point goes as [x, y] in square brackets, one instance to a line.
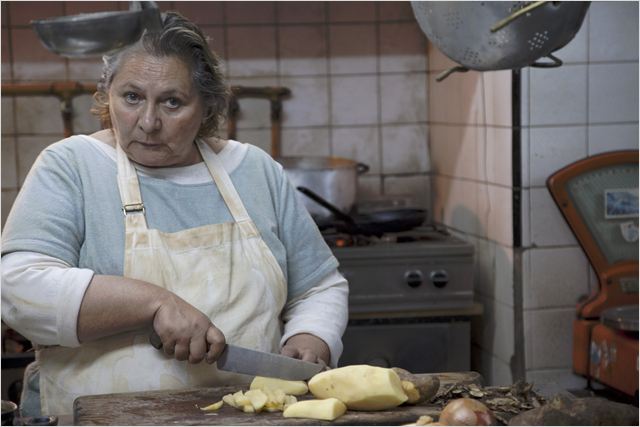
[334, 179]
[374, 223]
[98, 33]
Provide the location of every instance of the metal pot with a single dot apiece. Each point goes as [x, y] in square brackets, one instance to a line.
[335, 179]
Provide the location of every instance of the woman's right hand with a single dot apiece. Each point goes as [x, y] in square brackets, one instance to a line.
[186, 332]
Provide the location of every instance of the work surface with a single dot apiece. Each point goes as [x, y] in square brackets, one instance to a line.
[181, 407]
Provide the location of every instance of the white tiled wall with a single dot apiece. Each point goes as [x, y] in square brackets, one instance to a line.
[470, 147]
[588, 106]
[356, 70]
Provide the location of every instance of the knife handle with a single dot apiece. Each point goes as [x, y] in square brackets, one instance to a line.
[155, 340]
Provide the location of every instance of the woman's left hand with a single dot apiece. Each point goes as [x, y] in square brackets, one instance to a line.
[307, 347]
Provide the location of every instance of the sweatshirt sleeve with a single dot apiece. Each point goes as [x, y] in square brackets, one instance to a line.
[321, 311]
[41, 297]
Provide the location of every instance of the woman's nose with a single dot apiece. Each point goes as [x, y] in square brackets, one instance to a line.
[150, 120]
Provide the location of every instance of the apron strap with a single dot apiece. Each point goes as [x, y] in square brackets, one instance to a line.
[129, 187]
[223, 182]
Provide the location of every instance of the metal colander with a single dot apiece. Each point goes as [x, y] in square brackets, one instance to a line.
[496, 35]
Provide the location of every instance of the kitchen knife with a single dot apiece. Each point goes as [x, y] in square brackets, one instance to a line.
[252, 362]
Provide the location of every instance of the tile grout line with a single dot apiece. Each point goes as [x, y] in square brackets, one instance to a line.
[327, 37]
[14, 101]
[588, 23]
[382, 183]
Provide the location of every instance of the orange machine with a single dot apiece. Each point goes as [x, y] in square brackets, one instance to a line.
[598, 196]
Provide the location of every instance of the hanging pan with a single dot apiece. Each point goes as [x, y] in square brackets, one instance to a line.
[98, 33]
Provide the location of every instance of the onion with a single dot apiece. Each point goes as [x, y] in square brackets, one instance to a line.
[466, 412]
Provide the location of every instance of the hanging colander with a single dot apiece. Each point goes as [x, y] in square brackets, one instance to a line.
[497, 35]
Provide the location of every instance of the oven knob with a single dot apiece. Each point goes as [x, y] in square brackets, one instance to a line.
[439, 278]
[413, 278]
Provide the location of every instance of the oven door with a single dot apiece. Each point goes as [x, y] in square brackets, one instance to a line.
[417, 345]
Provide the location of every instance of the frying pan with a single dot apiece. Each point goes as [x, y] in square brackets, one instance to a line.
[98, 33]
[374, 223]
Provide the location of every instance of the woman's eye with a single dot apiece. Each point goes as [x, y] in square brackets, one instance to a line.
[173, 102]
[131, 98]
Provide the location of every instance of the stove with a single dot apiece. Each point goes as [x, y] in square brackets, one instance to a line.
[410, 299]
[422, 269]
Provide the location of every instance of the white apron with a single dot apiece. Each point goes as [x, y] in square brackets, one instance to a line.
[225, 270]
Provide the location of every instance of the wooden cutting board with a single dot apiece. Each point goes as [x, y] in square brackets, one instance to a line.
[181, 407]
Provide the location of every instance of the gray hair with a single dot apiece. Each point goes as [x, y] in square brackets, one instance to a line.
[180, 38]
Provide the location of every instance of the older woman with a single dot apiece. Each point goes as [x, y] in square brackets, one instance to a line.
[156, 225]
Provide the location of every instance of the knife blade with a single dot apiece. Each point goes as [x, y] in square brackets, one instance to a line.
[252, 362]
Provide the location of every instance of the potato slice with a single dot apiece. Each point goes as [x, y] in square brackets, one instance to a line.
[296, 388]
[258, 399]
[324, 409]
[360, 387]
[240, 399]
[213, 406]
[229, 400]
[288, 401]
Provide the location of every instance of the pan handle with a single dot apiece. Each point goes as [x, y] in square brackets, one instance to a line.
[555, 62]
[322, 202]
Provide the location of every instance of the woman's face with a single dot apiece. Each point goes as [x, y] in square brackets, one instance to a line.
[156, 111]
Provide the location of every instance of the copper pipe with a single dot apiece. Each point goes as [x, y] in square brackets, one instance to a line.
[64, 90]
[67, 90]
[275, 94]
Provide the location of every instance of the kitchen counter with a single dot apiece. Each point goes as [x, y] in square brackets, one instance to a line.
[181, 407]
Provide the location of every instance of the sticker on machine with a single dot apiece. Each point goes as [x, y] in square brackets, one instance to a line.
[629, 231]
[621, 203]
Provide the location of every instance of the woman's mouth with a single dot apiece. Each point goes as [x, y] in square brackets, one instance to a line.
[151, 145]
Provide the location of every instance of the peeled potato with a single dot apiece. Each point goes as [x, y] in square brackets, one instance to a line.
[325, 409]
[296, 388]
[360, 387]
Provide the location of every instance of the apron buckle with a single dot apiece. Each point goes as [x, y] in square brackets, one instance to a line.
[133, 208]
